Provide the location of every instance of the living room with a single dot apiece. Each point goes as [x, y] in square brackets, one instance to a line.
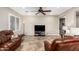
[37, 27]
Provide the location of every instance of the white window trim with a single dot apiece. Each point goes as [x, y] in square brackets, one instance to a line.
[15, 21]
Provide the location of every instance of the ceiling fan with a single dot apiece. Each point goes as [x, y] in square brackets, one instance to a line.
[40, 10]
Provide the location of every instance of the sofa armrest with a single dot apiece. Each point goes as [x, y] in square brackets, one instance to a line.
[47, 46]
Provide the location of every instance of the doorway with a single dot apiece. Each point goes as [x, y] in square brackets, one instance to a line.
[61, 24]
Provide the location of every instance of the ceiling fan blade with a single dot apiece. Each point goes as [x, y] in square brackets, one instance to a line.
[47, 11]
[31, 11]
[43, 13]
[37, 13]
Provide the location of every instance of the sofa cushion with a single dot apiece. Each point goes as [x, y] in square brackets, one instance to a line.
[9, 44]
[4, 49]
[3, 39]
[5, 46]
[71, 40]
[68, 46]
[7, 32]
[0, 41]
[15, 39]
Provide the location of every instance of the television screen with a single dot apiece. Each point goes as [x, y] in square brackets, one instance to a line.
[39, 27]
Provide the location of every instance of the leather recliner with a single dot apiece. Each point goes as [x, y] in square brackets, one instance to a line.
[62, 45]
[8, 44]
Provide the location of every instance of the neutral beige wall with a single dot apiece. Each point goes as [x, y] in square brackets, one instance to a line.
[70, 16]
[4, 18]
[77, 21]
[51, 24]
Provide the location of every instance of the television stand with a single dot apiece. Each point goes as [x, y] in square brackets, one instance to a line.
[39, 33]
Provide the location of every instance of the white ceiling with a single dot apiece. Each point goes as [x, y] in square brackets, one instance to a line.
[32, 10]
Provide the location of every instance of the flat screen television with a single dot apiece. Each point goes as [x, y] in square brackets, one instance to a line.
[39, 27]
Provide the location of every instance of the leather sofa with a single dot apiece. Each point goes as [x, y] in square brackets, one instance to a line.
[69, 44]
[8, 44]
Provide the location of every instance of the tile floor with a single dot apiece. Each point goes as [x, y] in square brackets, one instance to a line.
[32, 43]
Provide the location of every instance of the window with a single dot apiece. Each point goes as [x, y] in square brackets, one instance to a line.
[17, 23]
[14, 23]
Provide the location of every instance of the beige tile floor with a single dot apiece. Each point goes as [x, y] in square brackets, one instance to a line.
[32, 43]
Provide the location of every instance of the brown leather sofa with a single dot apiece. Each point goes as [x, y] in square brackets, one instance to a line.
[62, 45]
[8, 44]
